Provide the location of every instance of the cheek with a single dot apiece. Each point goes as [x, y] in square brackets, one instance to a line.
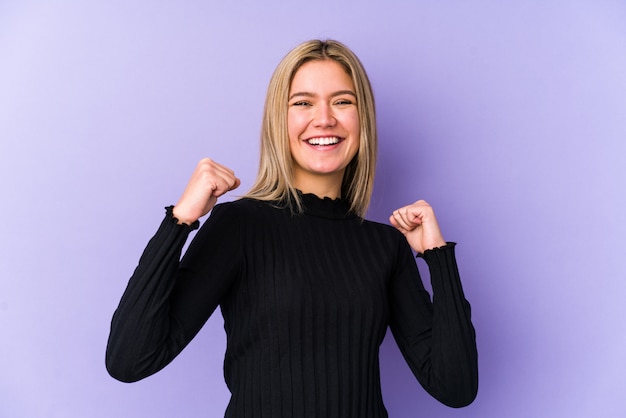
[356, 135]
[351, 120]
[355, 126]
[294, 125]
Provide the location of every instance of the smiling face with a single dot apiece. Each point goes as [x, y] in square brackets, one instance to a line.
[323, 126]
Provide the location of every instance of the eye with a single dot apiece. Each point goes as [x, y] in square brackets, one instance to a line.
[301, 103]
[344, 102]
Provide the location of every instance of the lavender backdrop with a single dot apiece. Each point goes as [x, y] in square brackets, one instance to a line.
[510, 120]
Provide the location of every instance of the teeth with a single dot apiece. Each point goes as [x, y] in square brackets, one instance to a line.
[323, 141]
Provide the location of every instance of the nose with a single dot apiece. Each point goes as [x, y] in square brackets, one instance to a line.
[324, 116]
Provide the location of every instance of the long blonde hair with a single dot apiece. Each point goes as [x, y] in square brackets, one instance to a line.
[274, 180]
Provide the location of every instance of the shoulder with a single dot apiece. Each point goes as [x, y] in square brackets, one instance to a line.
[385, 234]
[238, 206]
[230, 218]
[382, 228]
[242, 209]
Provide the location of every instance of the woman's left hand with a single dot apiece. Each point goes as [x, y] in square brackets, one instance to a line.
[418, 224]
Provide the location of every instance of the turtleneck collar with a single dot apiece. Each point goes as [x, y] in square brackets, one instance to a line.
[325, 207]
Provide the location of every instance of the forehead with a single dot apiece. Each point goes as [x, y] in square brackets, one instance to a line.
[321, 74]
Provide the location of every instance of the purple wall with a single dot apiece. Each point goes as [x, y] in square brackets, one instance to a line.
[510, 120]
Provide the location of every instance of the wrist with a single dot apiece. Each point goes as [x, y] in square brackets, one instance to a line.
[182, 217]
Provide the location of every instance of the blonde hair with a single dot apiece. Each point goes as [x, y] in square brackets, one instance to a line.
[274, 180]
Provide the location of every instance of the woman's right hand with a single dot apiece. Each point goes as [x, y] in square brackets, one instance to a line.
[209, 181]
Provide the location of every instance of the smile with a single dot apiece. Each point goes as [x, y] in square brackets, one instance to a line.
[331, 140]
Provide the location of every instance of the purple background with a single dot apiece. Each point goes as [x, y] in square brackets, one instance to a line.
[510, 120]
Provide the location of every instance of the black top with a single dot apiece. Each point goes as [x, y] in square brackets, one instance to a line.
[306, 301]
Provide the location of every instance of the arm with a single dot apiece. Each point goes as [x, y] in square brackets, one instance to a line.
[166, 302]
[437, 340]
[144, 337]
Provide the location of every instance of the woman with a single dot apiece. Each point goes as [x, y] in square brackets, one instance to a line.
[306, 286]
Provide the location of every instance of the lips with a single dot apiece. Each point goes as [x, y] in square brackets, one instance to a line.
[324, 141]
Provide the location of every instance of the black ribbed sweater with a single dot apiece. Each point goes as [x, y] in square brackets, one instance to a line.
[306, 301]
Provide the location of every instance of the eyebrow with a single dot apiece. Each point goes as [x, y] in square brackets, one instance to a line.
[308, 94]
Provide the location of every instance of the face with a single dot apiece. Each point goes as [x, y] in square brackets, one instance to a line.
[323, 124]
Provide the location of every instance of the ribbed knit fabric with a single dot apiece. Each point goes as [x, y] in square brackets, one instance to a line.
[306, 301]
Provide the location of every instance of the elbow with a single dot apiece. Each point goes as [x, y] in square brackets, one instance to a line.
[120, 370]
[122, 376]
[128, 364]
[462, 394]
[460, 400]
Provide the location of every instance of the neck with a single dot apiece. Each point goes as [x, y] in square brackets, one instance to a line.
[322, 186]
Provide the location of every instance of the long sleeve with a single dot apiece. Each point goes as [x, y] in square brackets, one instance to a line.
[437, 339]
[167, 301]
[306, 301]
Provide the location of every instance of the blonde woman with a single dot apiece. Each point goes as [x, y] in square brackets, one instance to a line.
[306, 285]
